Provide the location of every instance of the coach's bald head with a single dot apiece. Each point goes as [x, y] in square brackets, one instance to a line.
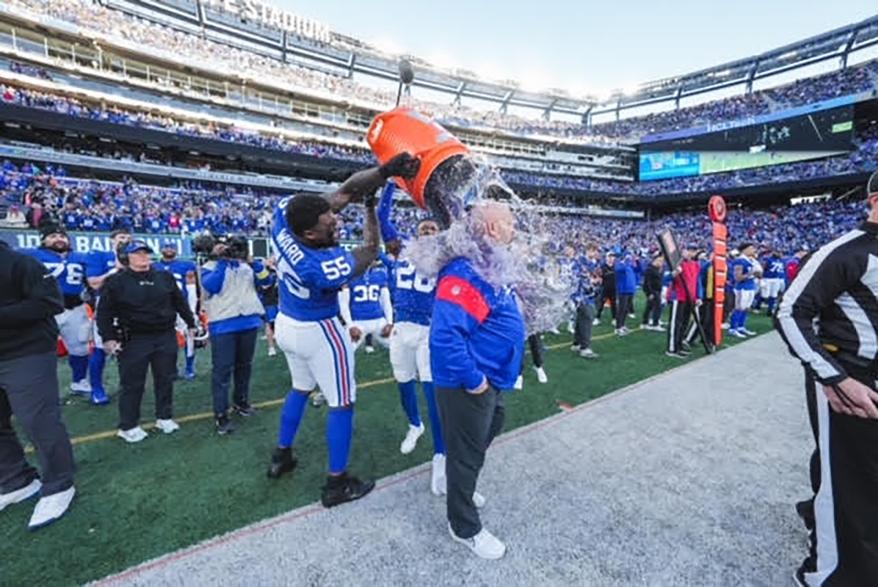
[496, 219]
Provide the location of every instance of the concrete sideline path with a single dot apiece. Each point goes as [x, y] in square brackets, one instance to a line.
[688, 478]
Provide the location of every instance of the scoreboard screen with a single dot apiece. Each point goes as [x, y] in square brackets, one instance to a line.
[810, 136]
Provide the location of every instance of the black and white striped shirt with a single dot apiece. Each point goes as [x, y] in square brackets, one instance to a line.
[838, 288]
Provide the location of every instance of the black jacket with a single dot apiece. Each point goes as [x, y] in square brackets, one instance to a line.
[141, 303]
[652, 280]
[29, 300]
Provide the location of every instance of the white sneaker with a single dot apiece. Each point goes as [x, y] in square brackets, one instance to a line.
[484, 544]
[726, 326]
[50, 509]
[519, 383]
[570, 326]
[554, 330]
[370, 349]
[574, 348]
[587, 353]
[411, 439]
[541, 375]
[272, 351]
[82, 386]
[747, 332]
[133, 435]
[595, 322]
[736, 333]
[20, 495]
[438, 481]
[167, 426]
[479, 500]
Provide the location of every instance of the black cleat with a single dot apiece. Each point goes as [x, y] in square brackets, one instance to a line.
[282, 461]
[805, 509]
[244, 410]
[224, 425]
[344, 488]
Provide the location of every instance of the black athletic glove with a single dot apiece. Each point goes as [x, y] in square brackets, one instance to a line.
[403, 165]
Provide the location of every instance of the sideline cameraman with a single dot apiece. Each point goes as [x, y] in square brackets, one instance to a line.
[234, 315]
[136, 320]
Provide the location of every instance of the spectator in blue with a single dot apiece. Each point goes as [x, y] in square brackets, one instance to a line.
[626, 285]
[476, 347]
[234, 315]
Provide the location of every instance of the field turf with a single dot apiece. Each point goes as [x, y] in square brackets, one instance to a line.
[137, 502]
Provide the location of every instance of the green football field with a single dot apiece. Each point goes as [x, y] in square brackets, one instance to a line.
[136, 502]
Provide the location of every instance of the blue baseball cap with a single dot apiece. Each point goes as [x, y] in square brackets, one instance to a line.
[168, 243]
[138, 245]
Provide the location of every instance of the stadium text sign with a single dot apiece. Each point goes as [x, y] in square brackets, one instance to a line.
[255, 10]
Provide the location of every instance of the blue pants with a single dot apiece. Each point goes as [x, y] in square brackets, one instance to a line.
[232, 355]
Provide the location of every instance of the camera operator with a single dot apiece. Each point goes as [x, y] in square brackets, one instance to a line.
[234, 315]
[136, 320]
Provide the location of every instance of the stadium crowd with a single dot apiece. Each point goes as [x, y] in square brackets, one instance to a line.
[31, 193]
[96, 17]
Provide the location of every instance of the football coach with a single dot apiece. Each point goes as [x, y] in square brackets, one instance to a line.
[476, 347]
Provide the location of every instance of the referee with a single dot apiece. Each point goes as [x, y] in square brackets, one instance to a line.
[136, 320]
[837, 289]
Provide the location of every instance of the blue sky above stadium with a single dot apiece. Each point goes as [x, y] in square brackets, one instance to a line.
[585, 47]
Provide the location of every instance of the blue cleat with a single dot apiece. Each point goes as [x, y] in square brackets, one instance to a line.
[99, 397]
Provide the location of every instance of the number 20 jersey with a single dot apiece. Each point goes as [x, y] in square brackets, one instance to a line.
[412, 293]
[308, 278]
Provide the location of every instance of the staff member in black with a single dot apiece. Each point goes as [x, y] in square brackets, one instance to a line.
[136, 318]
[29, 300]
[837, 289]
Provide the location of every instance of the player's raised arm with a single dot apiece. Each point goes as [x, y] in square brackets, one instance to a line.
[363, 184]
[365, 254]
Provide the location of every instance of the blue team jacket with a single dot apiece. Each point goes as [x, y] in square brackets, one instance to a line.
[626, 280]
[476, 333]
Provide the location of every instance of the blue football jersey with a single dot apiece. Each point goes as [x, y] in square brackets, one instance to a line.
[366, 295]
[178, 268]
[775, 268]
[68, 270]
[747, 266]
[309, 279]
[411, 292]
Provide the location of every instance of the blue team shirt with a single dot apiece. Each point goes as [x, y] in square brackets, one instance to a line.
[775, 268]
[178, 268]
[366, 295]
[747, 267]
[411, 292]
[69, 270]
[309, 279]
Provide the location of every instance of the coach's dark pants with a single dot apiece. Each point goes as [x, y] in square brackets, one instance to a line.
[652, 313]
[232, 356]
[584, 323]
[844, 543]
[623, 308]
[469, 423]
[142, 351]
[29, 389]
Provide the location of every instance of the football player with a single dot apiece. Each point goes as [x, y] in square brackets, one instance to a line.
[773, 279]
[184, 275]
[413, 297]
[68, 269]
[366, 308]
[99, 266]
[312, 267]
[745, 270]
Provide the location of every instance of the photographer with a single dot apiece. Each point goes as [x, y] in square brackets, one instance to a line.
[136, 320]
[234, 315]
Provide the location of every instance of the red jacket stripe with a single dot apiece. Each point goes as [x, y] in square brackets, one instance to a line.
[464, 294]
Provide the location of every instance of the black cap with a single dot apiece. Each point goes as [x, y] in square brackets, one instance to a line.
[47, 228]
[872, 185]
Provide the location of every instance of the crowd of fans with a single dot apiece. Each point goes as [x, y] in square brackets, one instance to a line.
[30, 194]
[862, 160]
[108, 22]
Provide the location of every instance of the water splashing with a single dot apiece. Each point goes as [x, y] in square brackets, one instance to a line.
[527, 264]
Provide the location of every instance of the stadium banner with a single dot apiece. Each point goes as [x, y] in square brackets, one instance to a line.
[85, 242]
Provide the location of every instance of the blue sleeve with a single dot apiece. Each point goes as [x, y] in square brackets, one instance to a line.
[95, 265]
[388, 261]
[454, 322]
[385, 207]
[261, 275]
[212, 279]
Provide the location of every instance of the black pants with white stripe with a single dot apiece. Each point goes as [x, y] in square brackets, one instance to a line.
[844, 543]
[678, 322]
